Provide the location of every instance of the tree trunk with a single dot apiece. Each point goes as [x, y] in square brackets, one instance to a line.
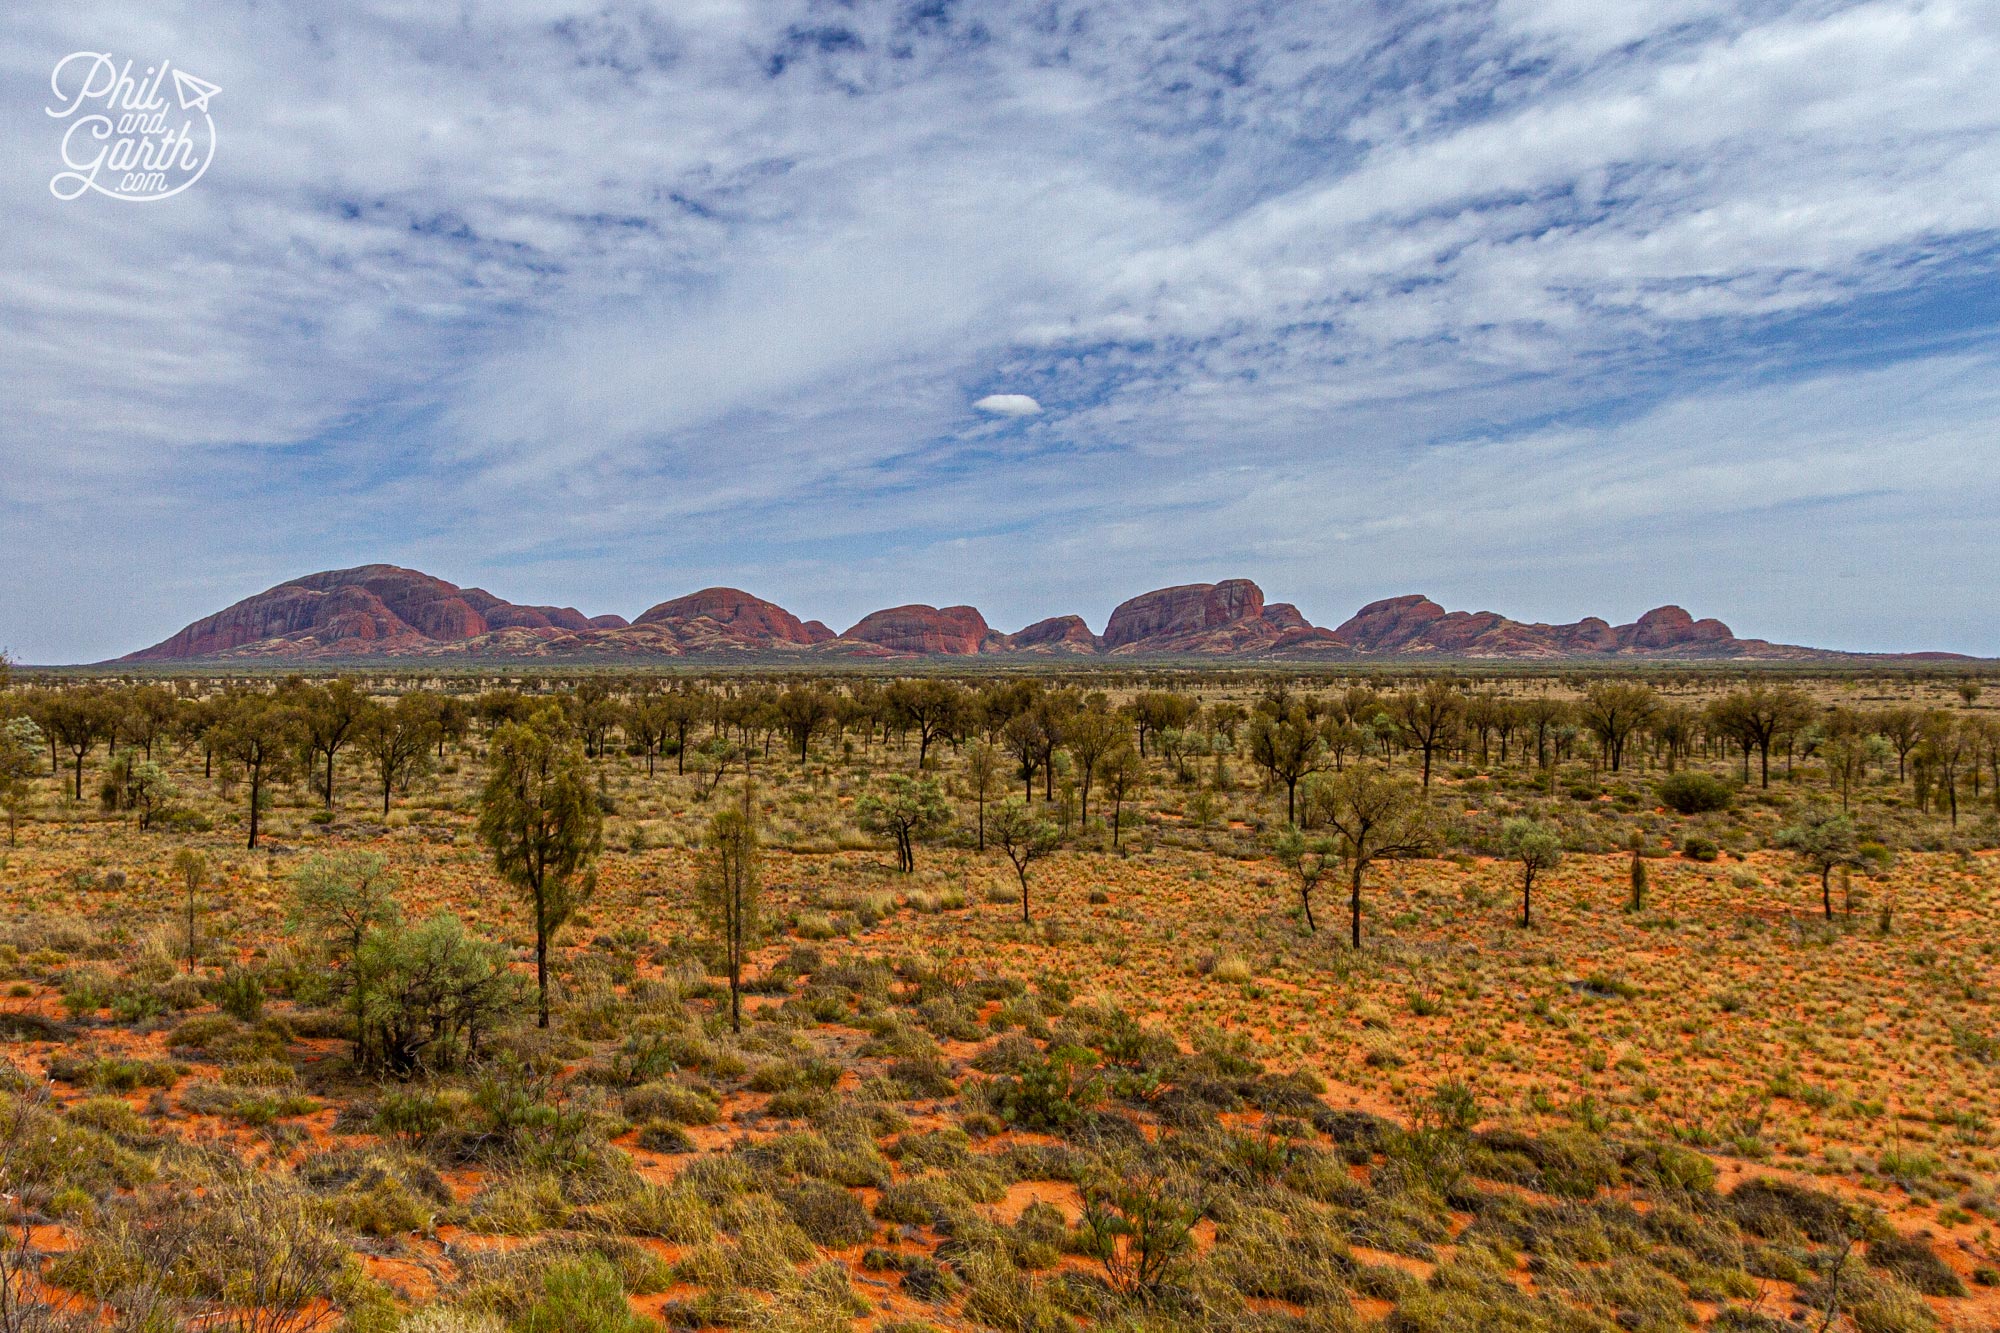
[541, 966]
[1354, 903]
[256, 792]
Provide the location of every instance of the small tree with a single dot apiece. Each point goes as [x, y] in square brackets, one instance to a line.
[1372, 815]
[20, 742]
[328, 716]
[1429, 719]
[912, 810]
[1538, 847]
[982, 776]
[1847, 757]
[1309, 859]
[1140, 1227]
[728, 891]
[1638, 880]
[340, 899]
[1123, 773]
[1825, 840]
[190, 867]
[1288, 748]
[542, 823]
[1612, 710]
[1025, 838]
[259, 732]
[801, 711]
[396, 740]
[1089, 737]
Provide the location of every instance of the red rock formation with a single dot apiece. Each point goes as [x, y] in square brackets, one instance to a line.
[1187, 608]
[752, 620]
[953, 631]
[1671, 627]
[1057, 634]
[379, 611]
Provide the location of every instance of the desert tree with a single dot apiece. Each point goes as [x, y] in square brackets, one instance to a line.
[328, 715]
[1155, 711]
[1288, 747]
[1310, 859]
[190, 871]
[1123, 773]
[134, 783]
[75, 720]
[682, 709]
[1826, 840]
[1370, 815]
[728, 891]
[935, 708]
[260, 732]
[146, 714]
[803, 711]
[1612, 711]
[541, 821]
[1027, 739]
[1428, 719]
[1848, 753]
[982, 777]
[1758, 717]
[1903, 727]
[1089, 737]
[20, 745]
[396, 739]
[1638, 879]
[1025, 838]
[1535, 846]
[1943, 755]
[647, 724]
[591, 713]
[339, 899]
[1543, 717]
[911, 810]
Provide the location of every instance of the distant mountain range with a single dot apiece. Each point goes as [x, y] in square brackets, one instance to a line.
[382, 611]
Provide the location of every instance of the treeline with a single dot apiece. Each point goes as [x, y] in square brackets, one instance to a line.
[1045, 735]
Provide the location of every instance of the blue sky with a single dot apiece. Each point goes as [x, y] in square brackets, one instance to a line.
[1551, 307]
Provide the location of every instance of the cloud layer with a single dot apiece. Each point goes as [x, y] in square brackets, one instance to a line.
[1540, 305]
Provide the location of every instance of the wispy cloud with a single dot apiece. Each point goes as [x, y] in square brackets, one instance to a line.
[590, 303]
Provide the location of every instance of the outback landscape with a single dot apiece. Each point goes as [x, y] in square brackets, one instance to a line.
[1454, 974]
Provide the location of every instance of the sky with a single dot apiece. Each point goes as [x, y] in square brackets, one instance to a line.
[1549, 307]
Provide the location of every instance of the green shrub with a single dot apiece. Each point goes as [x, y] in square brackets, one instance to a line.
[1052, 1091]
[240, 994]
[1695, 793]
[1699, 848]
[583, 1295]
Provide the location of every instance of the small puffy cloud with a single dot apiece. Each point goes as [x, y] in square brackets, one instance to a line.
[1008, 405]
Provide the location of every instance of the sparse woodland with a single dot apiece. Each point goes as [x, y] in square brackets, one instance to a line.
[1139, 1000]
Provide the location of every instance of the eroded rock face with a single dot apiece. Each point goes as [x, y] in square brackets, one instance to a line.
[752, 620]
[952, 631]
[1190, 608]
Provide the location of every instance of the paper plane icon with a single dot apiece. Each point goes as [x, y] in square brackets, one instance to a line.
[194, 93]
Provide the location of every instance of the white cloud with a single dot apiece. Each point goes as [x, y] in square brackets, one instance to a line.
[1008, 405]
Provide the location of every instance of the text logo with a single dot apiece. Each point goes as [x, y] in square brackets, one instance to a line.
[126, 138]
